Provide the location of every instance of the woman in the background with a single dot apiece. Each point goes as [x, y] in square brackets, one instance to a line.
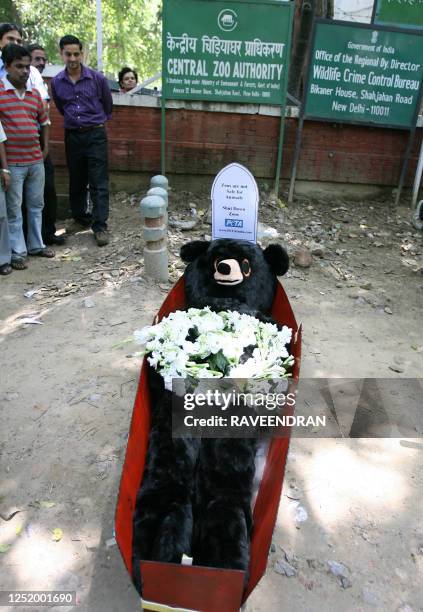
[128, 79]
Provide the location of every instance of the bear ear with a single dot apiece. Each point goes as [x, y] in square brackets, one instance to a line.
[192, 250]
[277, 258]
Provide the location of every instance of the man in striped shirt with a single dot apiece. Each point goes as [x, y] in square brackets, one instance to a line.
[21, 111]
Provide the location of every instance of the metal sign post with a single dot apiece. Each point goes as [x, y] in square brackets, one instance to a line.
[163, 137]
[296, 157]
[283, 111]
[417, 178]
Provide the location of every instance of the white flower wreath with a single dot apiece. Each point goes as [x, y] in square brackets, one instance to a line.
[200, 343]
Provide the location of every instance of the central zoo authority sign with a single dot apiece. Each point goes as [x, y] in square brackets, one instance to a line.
[226, 51]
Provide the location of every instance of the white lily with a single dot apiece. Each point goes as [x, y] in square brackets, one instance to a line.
[204, 344]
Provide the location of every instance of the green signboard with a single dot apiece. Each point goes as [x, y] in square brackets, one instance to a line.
[404, 13]
[235, 51]
[364, 74]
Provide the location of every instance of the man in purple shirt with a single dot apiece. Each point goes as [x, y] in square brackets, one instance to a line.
[83, 97]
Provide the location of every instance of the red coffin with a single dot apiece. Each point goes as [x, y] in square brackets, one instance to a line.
[193, 587]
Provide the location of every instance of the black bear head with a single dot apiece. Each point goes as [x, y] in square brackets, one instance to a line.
[232, 274]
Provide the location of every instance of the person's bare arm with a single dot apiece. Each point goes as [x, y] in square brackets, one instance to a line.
[44, 122]
[5, 176]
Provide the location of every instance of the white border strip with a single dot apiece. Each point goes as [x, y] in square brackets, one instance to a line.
[154, 606]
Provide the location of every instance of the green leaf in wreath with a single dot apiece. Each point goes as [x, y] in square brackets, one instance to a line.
[219, 362]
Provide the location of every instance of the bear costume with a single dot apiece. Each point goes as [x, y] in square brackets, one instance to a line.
[195, 496]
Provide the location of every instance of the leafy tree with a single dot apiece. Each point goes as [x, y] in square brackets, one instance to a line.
[131, 30]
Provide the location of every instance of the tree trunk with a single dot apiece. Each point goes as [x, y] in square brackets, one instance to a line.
[302, 35]
[305, 13]
[330, 9]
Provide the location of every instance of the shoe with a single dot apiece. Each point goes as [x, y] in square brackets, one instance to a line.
[101, 237]
[59, 240]
[46, 252]
[18, 264]
[78, 225]
[5, 269]
[84, 221]
[417, 218]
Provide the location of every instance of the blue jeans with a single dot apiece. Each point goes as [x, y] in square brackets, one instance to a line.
[4, 231]
[28, 180]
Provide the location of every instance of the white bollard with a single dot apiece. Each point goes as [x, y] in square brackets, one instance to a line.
[159, 181]
[162, 193]
[153, 212]
[159, 191]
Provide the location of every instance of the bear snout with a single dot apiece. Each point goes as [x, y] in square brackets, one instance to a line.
[228, 272]
[223, 268]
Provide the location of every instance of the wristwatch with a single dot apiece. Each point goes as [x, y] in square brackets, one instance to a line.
[5, 170]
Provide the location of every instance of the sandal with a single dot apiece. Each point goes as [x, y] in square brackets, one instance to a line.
[46, 252]
[5, 269]
[18, 264]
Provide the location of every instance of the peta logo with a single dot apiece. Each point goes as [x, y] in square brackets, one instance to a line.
[227, 20]
[234, 223]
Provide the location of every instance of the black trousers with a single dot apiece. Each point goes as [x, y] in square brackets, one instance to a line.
[48, 228]
[50, 201]
[87, 160]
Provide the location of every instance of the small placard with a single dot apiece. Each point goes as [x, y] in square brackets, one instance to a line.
[235, 200]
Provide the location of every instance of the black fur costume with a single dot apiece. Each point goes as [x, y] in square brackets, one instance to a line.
[195, 497]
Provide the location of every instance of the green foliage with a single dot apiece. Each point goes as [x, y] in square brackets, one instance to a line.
[131, 30]
[219, 362]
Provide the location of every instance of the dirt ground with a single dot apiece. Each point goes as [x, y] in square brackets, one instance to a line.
[350, 527]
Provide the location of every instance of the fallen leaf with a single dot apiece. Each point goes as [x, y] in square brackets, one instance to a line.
[18, 530]
[29, 294]
[4, 548]
[47, 504]
[57, 534]
[122, 342]
[110, 542]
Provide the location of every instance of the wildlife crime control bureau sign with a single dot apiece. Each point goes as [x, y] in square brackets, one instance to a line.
[364, 74]
[404, 13]
[233, 51]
